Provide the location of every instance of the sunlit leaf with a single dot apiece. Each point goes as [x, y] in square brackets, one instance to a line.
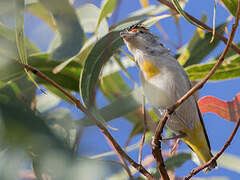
[198, 48]
[88, 15]
[107, 8]
[181, 11]
[228, 110]
[231, 6]
[68, 27]
[139, 16]
[149, 22]
[228, 70]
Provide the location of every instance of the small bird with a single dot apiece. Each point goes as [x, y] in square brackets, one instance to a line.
[164, 81]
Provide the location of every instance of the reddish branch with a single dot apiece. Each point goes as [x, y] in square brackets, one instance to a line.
[225, 40]
[104, 130]
[156, 147]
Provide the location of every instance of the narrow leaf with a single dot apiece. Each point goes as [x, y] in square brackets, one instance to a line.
[181, 11]
[231, 5]
[68, 27]
[94, 63]
[228, 70]
[198, 48]
[41, 12]
[118, 108]
[107, 8]
[177, 160]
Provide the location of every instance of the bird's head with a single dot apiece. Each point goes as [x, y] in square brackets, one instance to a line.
[138, 37]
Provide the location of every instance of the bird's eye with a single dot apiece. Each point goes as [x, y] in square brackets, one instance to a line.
[141, 32]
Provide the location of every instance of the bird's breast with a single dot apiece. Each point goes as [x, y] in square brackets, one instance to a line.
[149, 69]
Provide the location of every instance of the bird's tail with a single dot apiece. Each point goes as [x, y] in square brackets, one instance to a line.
[200, 146]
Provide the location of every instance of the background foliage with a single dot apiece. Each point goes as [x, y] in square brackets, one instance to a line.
[39, 131]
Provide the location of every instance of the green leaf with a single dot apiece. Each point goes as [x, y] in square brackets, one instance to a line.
[88, 15]
[68, 27]
[41, 12]
[139, 16]
[24, 129]
[181, 11]
[118, 108]
[228, 70]
[231, 5]
[95, 61]
[151, 21]
[177, 160]
[8, 48]
[22, 51]
[107, 8]
[68, 78]
[198, 48]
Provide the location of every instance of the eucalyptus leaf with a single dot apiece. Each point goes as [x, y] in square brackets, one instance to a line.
[177, 160]
[68, 27]
[231, 5]
[139, 16]
[198, 48]
[118, 108]
[107, 8]
[88, 15]
[94, 63]
[228, 70]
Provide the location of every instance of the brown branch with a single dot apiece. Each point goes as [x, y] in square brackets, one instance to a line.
[123, 162]
[144, 130]
[225, 40]
[156, 147]
[103, 129]
[199, 168]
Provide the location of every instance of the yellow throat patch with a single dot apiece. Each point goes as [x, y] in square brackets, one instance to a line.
[149, 69]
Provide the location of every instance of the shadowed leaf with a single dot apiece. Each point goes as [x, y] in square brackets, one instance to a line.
[177, 160]
[68, 27]
[94, 63]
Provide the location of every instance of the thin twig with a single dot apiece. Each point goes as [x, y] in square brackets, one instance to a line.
[103, 129]
[199, 168]
[144, 130]
[171, 6]
[156, 148]
[123, 162]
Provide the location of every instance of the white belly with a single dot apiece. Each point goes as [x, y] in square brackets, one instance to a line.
[157, 91]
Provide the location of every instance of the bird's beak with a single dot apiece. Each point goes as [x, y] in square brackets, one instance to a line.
[126, 35]
[123, 34]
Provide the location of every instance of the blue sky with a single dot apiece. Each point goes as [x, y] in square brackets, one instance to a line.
[218, 129]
